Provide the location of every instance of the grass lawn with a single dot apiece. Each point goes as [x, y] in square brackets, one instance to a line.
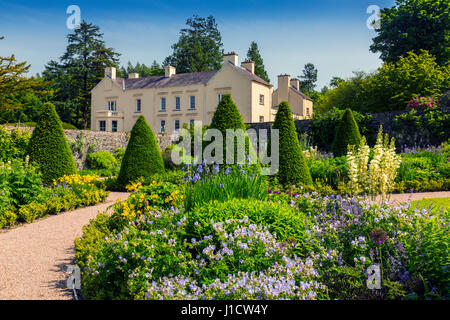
[436, 204]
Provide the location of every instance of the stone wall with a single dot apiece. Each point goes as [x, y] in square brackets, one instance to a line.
[405, 136]
[83, 142]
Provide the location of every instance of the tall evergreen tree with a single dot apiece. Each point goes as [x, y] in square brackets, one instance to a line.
[347, 133]
[254, 55]
[144, 71]
[142, 157]
[308, 79]
[293, 167]
[199, 47]
[48, 146]
[80, 69]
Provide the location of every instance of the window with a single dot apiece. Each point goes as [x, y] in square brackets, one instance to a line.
[138, 105]
[177, 125]
[102, 125]
[261, 118]
[177, 103]
[163, 126]
[114, 126]
[192, 102]
[191, 123]
[307, 112]
[163, 104]
[261, 99]
[112, 105]
[219, 97]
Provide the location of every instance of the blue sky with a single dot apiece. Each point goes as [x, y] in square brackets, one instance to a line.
[331, 34]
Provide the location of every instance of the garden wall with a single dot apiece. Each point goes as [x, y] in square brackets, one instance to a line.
[83, 142]
[406, 135]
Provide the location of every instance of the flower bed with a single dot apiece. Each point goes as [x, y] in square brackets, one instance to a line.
[25, 199]
[286, 246]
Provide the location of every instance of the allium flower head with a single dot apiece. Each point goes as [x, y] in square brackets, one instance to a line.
[378, 235]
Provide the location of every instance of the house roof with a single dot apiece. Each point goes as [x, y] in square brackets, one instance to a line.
[180, 79]
[301, 94]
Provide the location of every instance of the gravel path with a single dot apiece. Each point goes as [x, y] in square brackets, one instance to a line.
[34, 257]
[405, 197]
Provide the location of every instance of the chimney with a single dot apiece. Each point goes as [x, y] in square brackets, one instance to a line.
[283, 87]
[249, 65]
[231, 57]
[110, 72]
[170, 71]
[133, 75]
[295, 83]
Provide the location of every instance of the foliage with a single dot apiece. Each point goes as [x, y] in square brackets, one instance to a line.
[21, 181]
[323, 127]
[391, 87]
[432, 124]
[48, 147]
[78, 70]
[209, 183]
[377, 176]
[13, 144]
[413, 25]
[13, 81]
[293, 168]
[199, 47]
[154, 70]
[142, 157]
[254, 55]
[101, 160]
[435, 205]
[347, 134]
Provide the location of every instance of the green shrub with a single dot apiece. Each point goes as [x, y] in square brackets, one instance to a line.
[347, 133]
[101, 160]
[142, 157]
[21, 182]
[293, 168]
[48, 147]
[13, 145]
[7, 218]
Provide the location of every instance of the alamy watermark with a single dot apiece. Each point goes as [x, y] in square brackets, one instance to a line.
[240, 147]
[374, 277]
[74, 20]
[374, 20]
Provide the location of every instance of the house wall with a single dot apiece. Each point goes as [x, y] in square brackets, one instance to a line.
[245, 93]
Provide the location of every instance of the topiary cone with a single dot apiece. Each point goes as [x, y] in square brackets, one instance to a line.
[293, 168]
[48, 146]
[142, 157]
[347, 133]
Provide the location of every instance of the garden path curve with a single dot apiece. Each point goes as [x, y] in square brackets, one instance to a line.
[34, 257]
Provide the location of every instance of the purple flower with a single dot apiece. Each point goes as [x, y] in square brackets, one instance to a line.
[378, 235]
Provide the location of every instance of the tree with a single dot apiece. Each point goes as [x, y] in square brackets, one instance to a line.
[308, 79]
[293, 168]
[391, 86]
[154, 70]
[79, 70]
[48, 146]
[199, 47]
[335, 81]
[142, 157]
[412, 25]
[13, 81]
[347, 133]
[254, 55]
